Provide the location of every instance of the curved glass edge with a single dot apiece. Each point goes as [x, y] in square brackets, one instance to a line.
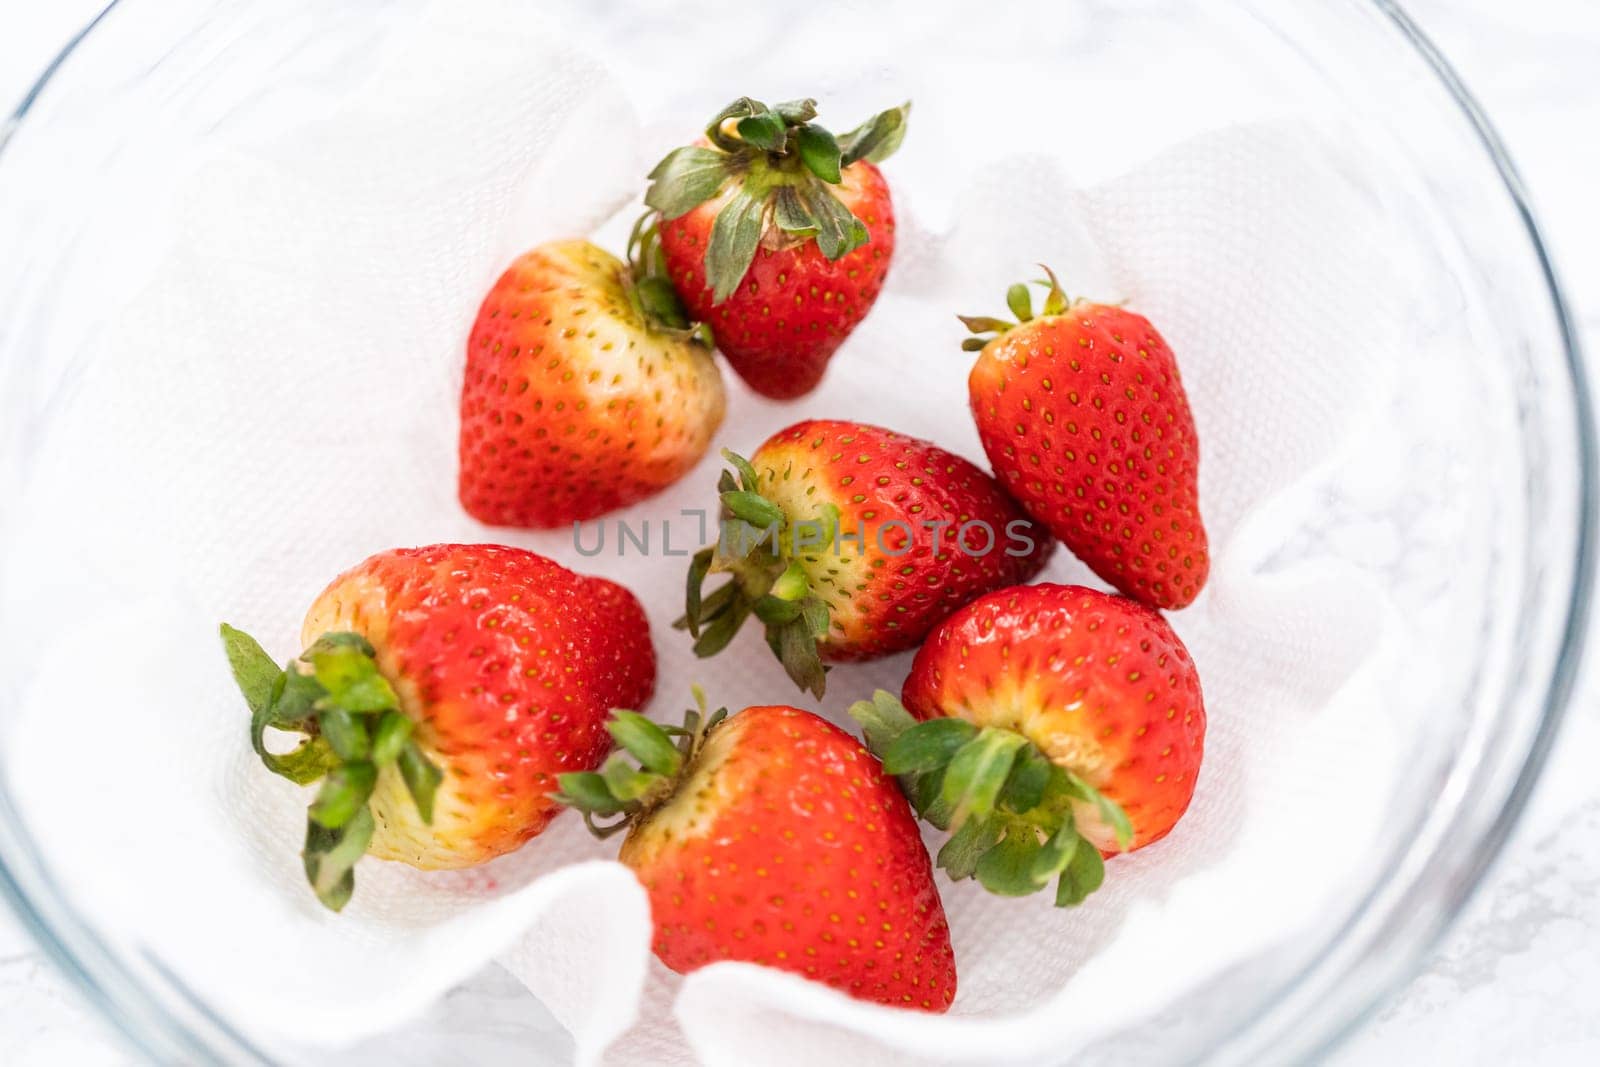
[124, 999]
[1309, 1034]
[143, 1021]
[1565, 672]
[14, 120]
[107, 982]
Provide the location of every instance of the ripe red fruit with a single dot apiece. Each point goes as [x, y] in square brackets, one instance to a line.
[441, 691]
[1045, 724]
[774, 837]
[778, 235]
[584, 391]
[850, 542]
[1083, 415]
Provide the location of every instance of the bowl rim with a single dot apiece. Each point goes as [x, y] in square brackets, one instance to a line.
[1310, 1031]
[151, 1025]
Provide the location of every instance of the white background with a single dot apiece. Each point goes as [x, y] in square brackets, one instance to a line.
[1517, 979]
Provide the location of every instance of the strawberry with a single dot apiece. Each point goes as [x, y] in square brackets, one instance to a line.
[850, 542]
[440, 692]
[584, 390]
[1084, 418]
[774, 837]
[778, 235]
[1044, 725]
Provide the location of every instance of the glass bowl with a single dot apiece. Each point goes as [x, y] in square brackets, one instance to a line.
[1469, 503]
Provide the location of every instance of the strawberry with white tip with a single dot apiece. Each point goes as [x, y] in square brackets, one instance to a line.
[1045, 726]
[849, 542]
[585, 391]
[440, 693]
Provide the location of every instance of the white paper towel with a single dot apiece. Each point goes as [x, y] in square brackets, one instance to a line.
[278, 402]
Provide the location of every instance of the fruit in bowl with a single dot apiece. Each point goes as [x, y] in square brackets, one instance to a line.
[1045, 726]
[1084, 417]
[774, 837]
[778, 235]
[585, 390]
[1187, 231]
[441, 691]
[850, 542]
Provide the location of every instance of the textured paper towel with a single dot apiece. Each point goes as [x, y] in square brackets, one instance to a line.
[281, 403]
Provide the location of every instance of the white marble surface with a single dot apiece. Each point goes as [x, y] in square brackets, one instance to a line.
[1517, 978]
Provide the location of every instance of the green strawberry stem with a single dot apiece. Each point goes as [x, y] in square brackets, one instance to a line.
[350, 717]
[650, 289]
[1007, 806]
[1020, 301]
[756, 545]
[643, 772]
[782, 165]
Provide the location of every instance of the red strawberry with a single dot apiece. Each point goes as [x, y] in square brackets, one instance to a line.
[1084, 417]
[778, 235]
[584, 392]
[1056, 722]
[441, 691]
[774, 837]
[850, 542]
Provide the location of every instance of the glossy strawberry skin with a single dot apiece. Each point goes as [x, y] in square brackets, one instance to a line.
[788, 846]
[881, 603]
[1085, 420]
[572, 406]
[794, 308]
[508, 664]
[1100, 683]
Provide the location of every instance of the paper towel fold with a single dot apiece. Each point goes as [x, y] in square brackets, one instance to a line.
[282, 403]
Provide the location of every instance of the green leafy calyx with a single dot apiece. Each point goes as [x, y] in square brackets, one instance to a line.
[643, 772]
[352, 727]
[1020, 301]
[782, 167]
[649, 288]
[757, 545]
[1008, 808]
